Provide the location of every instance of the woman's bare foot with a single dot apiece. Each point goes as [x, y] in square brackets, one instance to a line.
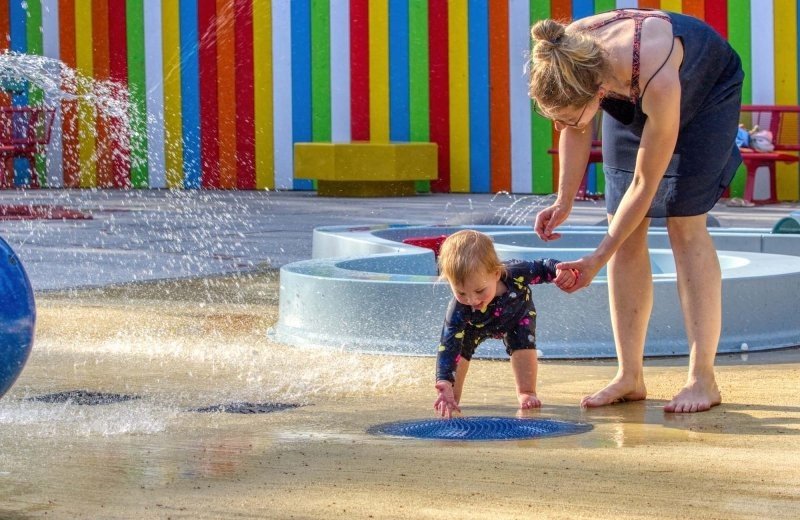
[699, 395]
[616, 391]
[528, 401]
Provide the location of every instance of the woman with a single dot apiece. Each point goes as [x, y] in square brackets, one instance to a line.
[670, 88]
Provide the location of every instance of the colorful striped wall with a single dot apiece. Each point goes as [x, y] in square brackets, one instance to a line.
[220, 90]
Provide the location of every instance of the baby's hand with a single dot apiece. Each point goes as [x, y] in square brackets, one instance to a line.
[445, 403]
[566, 278]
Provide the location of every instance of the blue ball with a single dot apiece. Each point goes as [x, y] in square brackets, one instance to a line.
[17, 317]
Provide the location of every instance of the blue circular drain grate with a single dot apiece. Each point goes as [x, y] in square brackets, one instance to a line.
[480, 428]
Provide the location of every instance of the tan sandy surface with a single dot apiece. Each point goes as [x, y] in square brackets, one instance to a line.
[183, 345]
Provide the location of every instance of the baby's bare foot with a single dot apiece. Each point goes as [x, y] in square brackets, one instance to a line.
[617, 391]
[696, 396]
[528, 401]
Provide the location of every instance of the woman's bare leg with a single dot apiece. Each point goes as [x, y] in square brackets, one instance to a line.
[700, 291]
[630, 294]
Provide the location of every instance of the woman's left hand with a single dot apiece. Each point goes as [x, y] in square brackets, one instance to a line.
[586, 269]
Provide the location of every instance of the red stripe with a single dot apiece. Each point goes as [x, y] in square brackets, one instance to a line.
[500, 109]
[209, 109]
[69, 108]
[717, 16]
[245, 103]
[439, 85]
[226, 95]
[118, 73]
[559, 10]
[5, 31]
[100, 70]
[359, 70]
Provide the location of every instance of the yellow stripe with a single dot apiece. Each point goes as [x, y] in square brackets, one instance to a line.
[379, 70]
[785, 19]
[173, 128]
[676, 6]
[458, 70]
[86, 112]
[262, 58]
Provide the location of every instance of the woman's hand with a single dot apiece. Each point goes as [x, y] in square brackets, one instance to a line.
[586, 269]
[549, 219]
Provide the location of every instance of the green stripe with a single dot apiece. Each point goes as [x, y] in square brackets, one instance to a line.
[36, 95]
[320, 70]
[739, 38]
[419, 101]
[601, 6]
[134, 18]
[541, 134]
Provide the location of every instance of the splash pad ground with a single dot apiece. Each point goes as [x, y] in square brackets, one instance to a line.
[183, 344]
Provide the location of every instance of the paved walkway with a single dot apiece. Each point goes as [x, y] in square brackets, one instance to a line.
[148, 234]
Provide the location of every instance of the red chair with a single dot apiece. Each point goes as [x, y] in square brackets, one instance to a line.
[24, 132]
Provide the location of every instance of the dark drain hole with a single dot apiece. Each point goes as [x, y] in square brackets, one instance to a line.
[247, 408]
[83, 397]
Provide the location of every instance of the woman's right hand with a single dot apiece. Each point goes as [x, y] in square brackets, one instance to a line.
[549, 219]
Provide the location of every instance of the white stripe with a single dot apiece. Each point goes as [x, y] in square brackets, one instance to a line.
[282, 92]
[762, 31]
[340, 71]
[154, 81]
[627, 4]
[52, 49]
[762, 48]
[518, 41]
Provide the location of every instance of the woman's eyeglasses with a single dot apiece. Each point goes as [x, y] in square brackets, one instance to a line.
[576, 124]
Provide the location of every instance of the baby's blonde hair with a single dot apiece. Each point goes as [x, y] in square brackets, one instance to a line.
[566, 67]
[466, 252]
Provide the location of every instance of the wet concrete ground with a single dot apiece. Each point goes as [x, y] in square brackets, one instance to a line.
[176, 346]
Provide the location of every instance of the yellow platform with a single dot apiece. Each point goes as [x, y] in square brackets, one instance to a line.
[365, 169]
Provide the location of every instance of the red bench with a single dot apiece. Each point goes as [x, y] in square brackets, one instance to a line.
[24, 132]
[784, 123]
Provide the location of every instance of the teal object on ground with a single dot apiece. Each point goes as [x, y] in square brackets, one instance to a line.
[788, 225]
[17, 317]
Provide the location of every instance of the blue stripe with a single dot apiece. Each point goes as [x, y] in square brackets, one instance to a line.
[399, 74]
[479, 124]
[190, 93]
[301, 79]
[581, 9]
[19, 43]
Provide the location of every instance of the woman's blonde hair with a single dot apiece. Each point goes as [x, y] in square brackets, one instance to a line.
[566, 67]
[466, 252]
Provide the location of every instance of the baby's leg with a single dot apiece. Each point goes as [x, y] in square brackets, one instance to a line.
[461, 375]
[524, 363]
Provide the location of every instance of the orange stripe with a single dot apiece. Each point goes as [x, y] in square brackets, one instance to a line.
[696, 8]
[500, 117]
[102, 72]
[650, 4]
[69, 109]
[226, 80]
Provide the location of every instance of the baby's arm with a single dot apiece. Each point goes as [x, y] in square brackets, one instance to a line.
[449, 349]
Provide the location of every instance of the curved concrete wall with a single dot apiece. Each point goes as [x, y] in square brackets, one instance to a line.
[386, 297]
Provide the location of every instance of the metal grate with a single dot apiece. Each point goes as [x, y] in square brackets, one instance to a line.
[83, 397]
[246, 408]
[480, 428]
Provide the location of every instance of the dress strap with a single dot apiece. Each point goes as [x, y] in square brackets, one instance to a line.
[638, 17]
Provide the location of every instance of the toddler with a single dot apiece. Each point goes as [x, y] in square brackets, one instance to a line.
[491, 299]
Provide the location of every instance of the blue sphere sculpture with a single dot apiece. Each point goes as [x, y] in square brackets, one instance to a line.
[17, 317]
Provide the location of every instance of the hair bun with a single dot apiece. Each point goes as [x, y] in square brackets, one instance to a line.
[548, 32]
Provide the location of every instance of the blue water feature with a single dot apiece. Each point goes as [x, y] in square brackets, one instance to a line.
[480, 428]
[17, 317]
